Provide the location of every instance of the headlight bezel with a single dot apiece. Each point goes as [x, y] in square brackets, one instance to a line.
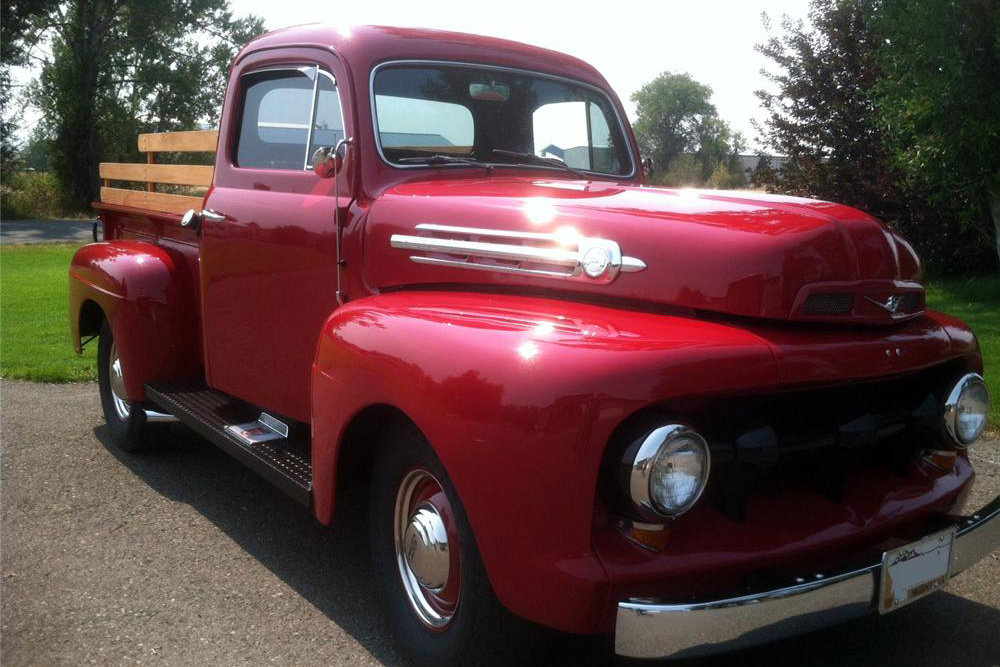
[641, 468]
[951, 404]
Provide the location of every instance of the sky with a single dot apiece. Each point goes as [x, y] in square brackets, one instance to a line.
[629, 43]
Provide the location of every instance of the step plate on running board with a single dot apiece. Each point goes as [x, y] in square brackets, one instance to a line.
[285, 462]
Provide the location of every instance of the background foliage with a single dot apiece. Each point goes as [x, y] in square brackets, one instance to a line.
[892, 106]
[110, 69]
[679, 128]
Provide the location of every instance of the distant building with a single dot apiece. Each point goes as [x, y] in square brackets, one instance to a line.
[750, 162]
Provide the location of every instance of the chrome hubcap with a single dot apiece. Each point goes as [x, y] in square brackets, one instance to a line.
[427, 549]
[118, 395]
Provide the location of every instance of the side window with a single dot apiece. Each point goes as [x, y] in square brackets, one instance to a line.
[328, 123]
[286, 112]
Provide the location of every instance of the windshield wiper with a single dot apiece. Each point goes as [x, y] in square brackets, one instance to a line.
[540, 161]
[445, 159]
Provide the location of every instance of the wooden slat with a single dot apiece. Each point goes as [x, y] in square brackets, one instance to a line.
[153, 201]
[195, 141]
[175, 174]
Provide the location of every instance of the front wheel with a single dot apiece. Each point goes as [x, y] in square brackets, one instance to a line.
[126, 418]
[441, 607]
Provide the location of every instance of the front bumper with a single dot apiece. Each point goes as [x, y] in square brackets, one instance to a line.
[650, 630]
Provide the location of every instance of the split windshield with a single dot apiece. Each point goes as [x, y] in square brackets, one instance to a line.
[443, 114]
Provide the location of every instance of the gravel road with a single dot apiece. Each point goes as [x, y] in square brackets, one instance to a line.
[183, 558]
[17, 232]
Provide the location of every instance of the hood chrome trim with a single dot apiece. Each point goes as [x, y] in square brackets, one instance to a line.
[560, 257]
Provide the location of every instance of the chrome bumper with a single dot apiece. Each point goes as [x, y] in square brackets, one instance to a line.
[649, 630]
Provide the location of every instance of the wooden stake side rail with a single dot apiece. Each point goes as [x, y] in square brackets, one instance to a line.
[175, 174]
[153, 201]
[197, 141]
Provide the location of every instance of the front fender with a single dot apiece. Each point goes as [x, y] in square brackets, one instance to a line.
[146, 293]
[518, 397]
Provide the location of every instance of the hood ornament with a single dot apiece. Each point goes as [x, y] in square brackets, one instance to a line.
[578, 258]
[890, 305]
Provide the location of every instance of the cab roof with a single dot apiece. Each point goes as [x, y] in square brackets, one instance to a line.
[364, 47]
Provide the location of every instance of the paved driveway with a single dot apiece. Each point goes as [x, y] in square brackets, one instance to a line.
[184, 558]
[47, 231]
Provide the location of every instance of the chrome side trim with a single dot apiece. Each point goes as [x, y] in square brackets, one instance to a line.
[480, 249]
[154, 417]
[646, 629]
[574, 254]
[458, 264]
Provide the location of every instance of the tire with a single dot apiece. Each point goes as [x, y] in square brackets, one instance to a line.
[463, 623]
[126, 418]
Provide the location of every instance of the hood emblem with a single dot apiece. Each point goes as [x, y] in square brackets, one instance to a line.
[543, 255]
[890, 305]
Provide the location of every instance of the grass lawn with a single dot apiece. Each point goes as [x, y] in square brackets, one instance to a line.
[34, 322]
[34, 329]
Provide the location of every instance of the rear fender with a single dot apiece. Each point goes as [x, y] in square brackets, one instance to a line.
[146, 294]
[518, 397]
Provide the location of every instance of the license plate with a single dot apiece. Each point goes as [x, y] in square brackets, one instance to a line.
[912, 571]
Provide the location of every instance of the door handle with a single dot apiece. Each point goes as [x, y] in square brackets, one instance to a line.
[193, 219]
[214, 216]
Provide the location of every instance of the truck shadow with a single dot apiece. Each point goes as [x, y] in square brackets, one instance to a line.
[330, 568]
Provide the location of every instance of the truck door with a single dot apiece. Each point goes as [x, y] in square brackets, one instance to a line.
[268, 258]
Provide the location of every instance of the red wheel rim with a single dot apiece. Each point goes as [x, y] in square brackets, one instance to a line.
[427, 549]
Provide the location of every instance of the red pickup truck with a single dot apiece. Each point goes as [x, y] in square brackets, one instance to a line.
[428, 262]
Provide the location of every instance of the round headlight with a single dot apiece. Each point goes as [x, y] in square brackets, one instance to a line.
[966, 410]
[669, 471]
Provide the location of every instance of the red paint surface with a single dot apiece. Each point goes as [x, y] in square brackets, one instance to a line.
[738, 253]
[519, 396]
[519, 392]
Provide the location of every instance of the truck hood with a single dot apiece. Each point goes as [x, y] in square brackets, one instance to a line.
[738, 253]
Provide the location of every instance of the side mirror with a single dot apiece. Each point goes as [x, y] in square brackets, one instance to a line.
[325, 162]
[647, 166]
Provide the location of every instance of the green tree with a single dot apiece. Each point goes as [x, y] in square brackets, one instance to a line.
[670, 110]
[676, 116]
[939, 103]
[857, 121]
[820, 111]
[16, 17]
[118, 67]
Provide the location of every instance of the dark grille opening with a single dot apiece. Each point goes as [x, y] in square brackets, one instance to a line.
[912, 302]
[829, 304]
[812, 437]
[818, 437]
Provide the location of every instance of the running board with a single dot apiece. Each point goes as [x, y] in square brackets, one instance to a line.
[284, 461]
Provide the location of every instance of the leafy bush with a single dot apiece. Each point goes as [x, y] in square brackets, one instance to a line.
[724, 177]
[32, 195]
[684, 171]
[688, 171]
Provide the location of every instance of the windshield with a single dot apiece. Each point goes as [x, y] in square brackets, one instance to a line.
[496, 117]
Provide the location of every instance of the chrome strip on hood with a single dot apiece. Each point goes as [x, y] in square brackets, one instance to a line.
[566, 257]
